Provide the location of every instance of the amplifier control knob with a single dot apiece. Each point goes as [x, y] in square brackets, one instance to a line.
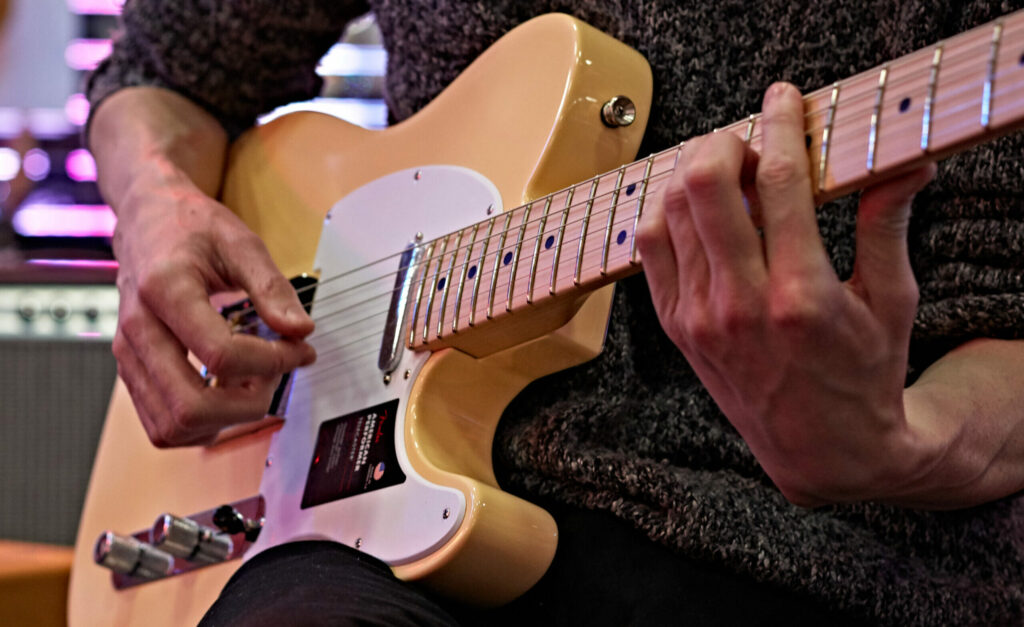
[60, 311]
[28, 309]
[128, 556]
[188, 539]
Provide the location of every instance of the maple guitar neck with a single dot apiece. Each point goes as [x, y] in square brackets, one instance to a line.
[860, 131]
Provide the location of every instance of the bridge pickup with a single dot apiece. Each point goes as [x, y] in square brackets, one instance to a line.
[242, 318]
[392, 345]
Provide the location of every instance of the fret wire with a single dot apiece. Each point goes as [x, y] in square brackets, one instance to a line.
[750, 129]
[448, 283]
[480, 270]
[496, 267]
[462, 279]
[433, 291]
[826, 136]
[986, 98]
[584, 228]
[515, 257]
[536, 249]
[612, 205]
[890, 87]
[558, 243]
[926, 120]
[419, 293]
[883, 76]
[640, 208]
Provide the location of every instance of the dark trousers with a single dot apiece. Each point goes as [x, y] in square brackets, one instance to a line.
[604, 573]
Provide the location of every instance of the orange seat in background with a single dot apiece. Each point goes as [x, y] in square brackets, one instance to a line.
[34, 583]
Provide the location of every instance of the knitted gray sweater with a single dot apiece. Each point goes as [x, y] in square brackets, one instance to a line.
[637, 435]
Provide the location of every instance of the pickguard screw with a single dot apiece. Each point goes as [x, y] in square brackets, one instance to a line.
[446, 514]
[419, 237]
[490, 209]
[269, 462]
[418, 175]
[387, 379]
[359, 542]
[408, 373]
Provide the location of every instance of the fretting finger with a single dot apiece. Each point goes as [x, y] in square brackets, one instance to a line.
[793, 244]
[712, 175]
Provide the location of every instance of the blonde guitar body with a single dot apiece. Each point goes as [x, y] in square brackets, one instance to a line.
[522, 121]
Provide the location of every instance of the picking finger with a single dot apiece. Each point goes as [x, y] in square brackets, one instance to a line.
[193, 409]
[185, 308]
[251, 268]
[150, 407]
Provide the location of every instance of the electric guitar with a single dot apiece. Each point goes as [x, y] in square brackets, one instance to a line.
[462, 254]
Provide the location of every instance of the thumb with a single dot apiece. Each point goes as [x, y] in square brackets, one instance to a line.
[882, 269]
[252, 269]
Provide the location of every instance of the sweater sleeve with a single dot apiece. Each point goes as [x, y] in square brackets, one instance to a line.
[235, 58]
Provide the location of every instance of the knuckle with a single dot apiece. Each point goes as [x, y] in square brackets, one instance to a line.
[185, 416]
[796, 308]
[702, 332]
[155, 280]
[738, 316]
[779, 171]
[217, 359]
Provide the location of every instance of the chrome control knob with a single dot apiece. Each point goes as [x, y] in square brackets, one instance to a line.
[128, 556]
[188, 539]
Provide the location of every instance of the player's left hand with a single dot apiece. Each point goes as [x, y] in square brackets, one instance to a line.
[809, 369]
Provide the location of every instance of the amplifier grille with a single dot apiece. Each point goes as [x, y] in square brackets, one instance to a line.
[53, 398]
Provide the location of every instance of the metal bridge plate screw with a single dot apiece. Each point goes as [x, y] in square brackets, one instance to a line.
[619, 111]
[359, 542]
[387, 379]
[269, 462]
[408, 373]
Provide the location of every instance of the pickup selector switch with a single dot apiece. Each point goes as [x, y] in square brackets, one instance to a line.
[128, 556]
[187, 539]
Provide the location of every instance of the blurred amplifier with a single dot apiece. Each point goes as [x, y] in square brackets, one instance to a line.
[56, 374]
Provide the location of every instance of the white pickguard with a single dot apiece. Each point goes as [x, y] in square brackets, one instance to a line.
[357, 259]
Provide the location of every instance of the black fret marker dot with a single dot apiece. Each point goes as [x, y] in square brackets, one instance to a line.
[807, 141]
[549, 242]
[472, 272]
[631, 189]
[440, 284]
[621, 238]
[904, 105]
[507, 260]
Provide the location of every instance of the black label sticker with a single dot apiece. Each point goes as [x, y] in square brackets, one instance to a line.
[354, 454]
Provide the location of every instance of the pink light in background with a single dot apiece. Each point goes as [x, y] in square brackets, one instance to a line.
[10, 164]
[75, 263]
[77, 109]
[53, 220]
[86, 54]
[95, 7]
[80, 165]
[36, 164]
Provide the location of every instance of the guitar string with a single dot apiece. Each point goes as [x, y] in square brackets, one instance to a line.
[325, 366]
[528, 240]
[594, 255]
[909, 122]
